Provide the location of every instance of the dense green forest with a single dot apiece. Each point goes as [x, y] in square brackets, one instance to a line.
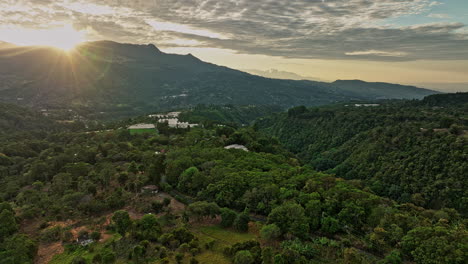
[410, 151]
[69, 194]
[209, 115]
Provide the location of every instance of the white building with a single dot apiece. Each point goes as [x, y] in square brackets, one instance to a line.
[366, 105]
[142, 126]
[237, 146]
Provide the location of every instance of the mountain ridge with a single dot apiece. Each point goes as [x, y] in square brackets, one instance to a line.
[112, 76]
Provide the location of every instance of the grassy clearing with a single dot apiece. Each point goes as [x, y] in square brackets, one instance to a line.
[223, 236]
[213, 257]
[67, 256]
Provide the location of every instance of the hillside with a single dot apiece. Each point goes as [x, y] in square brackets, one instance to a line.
[379, 90]
[411, 151]
[130, 79]
[88, 197]
[227, 114]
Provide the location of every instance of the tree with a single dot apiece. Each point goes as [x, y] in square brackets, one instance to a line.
[439, 244]
[228, 217]
[296, 111]
[243, 257]
[330, 225]
[6, 206]
[123, 178]
[138, 252]
[148, 228]
[179, 257]
[108, 256]
[18, 249]
[8, 224]
[242, 222]
[154, 175]
[267, 255]
[290, 217]
[199, 210]
[133, 167]
[352, 214]
[352, 256]
[190, 181]
[393, 257]
[270, 232]
[183, 235]
[313, 210]
[122, 221]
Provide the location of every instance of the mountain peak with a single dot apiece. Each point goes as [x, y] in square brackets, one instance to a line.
[152, 46]
[4, 44]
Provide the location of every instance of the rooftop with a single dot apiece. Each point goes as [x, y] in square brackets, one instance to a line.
[142, 126]
[237, 146]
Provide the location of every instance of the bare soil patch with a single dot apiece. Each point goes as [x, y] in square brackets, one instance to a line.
[46, 252]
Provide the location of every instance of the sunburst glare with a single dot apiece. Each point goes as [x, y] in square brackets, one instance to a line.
[64, 37]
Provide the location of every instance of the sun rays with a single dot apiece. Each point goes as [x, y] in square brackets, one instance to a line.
[64, 37]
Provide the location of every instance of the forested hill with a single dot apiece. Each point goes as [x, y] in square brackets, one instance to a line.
[227, 114]
[88, 197]
[411, 151]
[18, 119]
[447, 100]
[127, 79]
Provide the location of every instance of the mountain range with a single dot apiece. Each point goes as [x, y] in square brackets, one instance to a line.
[110, 76]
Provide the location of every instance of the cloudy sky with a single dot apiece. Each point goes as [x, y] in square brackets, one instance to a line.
[403, 41]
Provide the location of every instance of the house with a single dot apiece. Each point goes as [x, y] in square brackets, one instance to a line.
[175, 123]
[366, 105]
[150, 189]
[142, 128]
[237, 146]
[84, 242]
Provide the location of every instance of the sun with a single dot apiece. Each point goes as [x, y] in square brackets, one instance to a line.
[64, 37]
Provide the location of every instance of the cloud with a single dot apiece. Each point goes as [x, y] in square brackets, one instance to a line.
[377, 53]
[331, 29]
[89, 8]
[440, 16]
[279, 74]
[174, 27]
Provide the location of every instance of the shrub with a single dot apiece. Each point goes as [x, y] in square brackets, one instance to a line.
[83, 234]
[246, 245]
[210, 244]
[270, 232]
[194, 251]
[179, 257]
[96, 236]
[166, 201]
[185, 247]
[52, 234]
[97, 258]
[78, 260]
[243, 257]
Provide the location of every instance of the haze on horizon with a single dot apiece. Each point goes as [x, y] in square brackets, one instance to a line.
[421, 42]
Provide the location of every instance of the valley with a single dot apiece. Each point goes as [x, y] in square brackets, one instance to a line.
[77, 195]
